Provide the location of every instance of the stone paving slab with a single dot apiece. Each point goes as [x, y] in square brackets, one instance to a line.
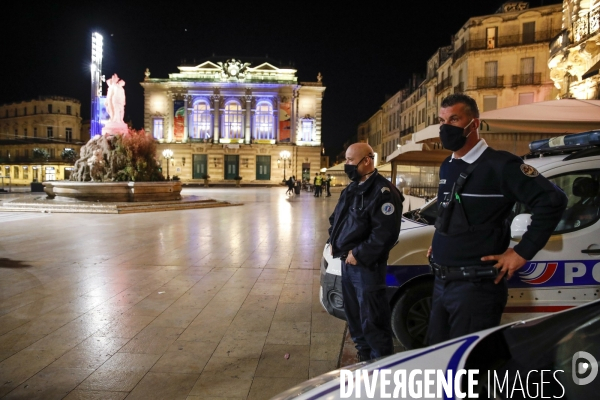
[197, 303]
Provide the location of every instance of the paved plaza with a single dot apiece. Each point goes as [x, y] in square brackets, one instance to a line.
[189, 304]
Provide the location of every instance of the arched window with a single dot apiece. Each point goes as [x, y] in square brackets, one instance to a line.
[263, 121]
[232, 121]
[200, 124]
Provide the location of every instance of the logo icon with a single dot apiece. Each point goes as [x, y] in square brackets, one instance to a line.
[583, 364]
[538, 273]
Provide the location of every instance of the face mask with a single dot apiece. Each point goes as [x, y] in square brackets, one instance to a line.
[452, 137]
[352, 171]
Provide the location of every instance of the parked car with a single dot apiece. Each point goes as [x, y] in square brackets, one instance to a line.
[564, 274]
[554, 356]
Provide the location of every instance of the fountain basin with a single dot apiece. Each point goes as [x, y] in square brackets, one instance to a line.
[113, 191]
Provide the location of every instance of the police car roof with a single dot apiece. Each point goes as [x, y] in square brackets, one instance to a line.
[575, 145]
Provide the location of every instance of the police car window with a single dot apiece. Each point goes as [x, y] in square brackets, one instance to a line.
[583, 193]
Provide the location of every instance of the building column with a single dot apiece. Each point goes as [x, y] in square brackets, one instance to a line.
[294, 116]
[185, 118]
[170, 119]
[247, 128]
[217, 117]
[276, 118]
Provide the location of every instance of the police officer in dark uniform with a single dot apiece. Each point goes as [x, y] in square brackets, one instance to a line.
[469, 254]
[364, 227]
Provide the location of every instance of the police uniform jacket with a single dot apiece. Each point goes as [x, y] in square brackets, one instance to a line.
[366, 220]
[498, 181]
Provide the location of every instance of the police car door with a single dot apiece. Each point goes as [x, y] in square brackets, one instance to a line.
[566, 272]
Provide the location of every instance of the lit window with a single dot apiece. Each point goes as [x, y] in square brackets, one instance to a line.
[233, 121]
[158, 128]
[263, 125]
[201, 118]
[307, 130]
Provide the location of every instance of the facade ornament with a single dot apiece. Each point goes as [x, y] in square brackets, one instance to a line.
[147, 74]
[319, 77]
[233, 68]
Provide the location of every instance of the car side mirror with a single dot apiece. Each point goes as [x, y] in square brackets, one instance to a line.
[519, 225]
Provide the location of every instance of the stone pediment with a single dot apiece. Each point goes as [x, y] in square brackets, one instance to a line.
[264, 67]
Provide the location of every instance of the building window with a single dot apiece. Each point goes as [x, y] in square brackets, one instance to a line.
[527, 69]
[307, 130]
[68, 134]
[16, 172]
[34, 132]
[233, 121]
[158, 128]
[263, 126]
[24, 110]
[491, 37]
[49, 108]
[490, 103]
[25, 172]
[49, 132]
[26, 153]
[25, 132]
[529, 32]
[201, 121]
[16, 133]
[69, 110]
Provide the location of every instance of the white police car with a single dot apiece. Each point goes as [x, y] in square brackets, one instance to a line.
[554, 356]
[564, 274]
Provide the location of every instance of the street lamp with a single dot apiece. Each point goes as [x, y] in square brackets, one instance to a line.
[285, 156]
[168, 154]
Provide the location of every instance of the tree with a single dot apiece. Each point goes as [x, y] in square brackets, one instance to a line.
[41, 154]
[68, 155]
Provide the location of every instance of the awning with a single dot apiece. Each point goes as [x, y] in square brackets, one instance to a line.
[431, 132]
[417, 153]
[595, 70]
[552, 117]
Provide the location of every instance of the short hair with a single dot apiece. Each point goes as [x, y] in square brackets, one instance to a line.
[461, 98]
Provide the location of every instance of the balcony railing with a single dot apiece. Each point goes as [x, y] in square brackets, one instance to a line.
[490, 82]
[445, 83]
[503, 41]
[586, 25]
[559, 42]
[527, 79]
[459, 88]
[407, 131]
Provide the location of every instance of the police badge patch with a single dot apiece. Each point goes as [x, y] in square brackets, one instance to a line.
[529, 170]
[387, 209]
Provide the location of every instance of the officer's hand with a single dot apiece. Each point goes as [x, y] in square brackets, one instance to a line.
[350, 259]
[507, 262]
[429, 252]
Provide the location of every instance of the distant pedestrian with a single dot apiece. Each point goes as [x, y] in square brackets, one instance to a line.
[318, 183]
[328, 185]
[290, 184]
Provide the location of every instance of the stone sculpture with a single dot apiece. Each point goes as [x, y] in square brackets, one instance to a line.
[115, 106]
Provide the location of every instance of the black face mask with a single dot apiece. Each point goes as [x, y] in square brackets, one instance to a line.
[352, 171]
[453, 137]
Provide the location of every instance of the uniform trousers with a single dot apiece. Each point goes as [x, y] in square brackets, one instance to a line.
[461, 307]
[367, 310]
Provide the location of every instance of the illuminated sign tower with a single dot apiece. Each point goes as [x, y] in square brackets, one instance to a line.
[97, 78]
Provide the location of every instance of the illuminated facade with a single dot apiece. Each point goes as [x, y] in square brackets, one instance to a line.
[575, 53]
[227, 118]
[50, 123]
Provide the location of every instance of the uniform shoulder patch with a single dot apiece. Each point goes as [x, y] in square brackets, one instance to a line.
[529, 170]
[388, 209]
[442, 181]
[385, 189]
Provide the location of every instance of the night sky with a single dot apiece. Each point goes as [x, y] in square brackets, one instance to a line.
[364, 53]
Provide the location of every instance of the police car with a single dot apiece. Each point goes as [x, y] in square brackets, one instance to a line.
[553, 356]
[564, 274]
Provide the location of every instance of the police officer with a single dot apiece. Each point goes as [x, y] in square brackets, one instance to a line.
[364, 227]
[469, 254]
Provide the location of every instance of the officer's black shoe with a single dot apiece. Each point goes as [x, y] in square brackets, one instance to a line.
[360, 357]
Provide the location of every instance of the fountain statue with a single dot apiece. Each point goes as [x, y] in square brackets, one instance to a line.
[115, 106]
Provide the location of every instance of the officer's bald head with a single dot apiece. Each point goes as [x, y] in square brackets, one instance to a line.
[357, 151]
